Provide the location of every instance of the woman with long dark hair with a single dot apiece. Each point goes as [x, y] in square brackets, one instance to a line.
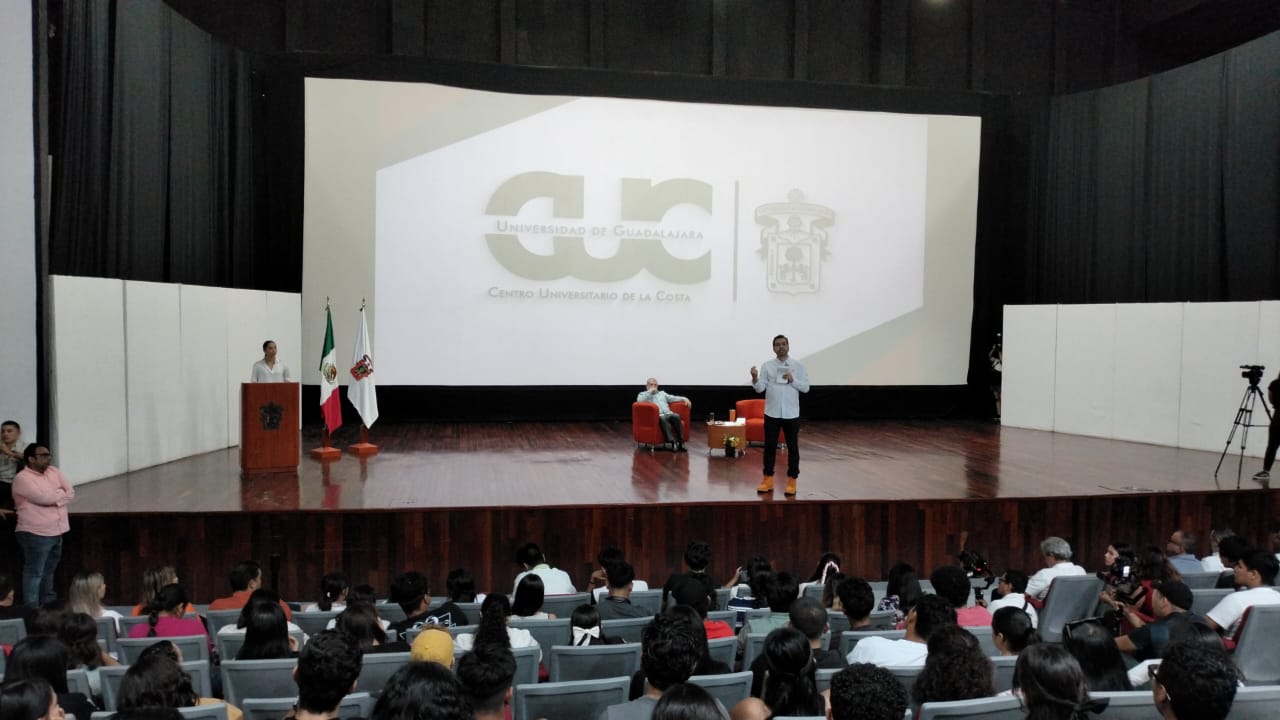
[530, 594]
[166, 617]
[266, 633]
[1094, 647]
[360, 621]
[79, 634]
[955, 669]
[790, 681]
[42, 658]
[1052, 685]
[902, 593]
[30, 700]
[1012, 631]
[493, 629]
[333, 593]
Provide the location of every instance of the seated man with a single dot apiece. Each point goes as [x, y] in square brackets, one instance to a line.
[1181, 551]
[1256, 574]
[1057, 560]
[857, 600]
[412, 592]
[487, 674]
[327, 669]
[245, 577]
[668, 420]
[866, 692]
[1011, 591]
[554, 580]
[617, 604]
[930, 613]
[1194, 681]
[1171, 602]
[951, 583]
[697, 556]
[780, 590]
[671, 652]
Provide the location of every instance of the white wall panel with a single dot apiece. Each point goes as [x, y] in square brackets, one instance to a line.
[204, 366]
[89, 424]
[246, 331]
[1029, 338]
[1269, 339]
[1216, 338]
[1148, 372]
[159, 429]
[1085, 362]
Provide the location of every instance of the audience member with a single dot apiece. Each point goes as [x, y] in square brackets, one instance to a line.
[599, 581]
[245, 577]
[952, 584]
[585, 629]
[555, 581]
[154, 578]
[857, 600]
[1052, 685]
[422, 691]
[1012, 630]
[461, 587]
[866, 692]
[1057, 559]
[1094, 647]
[160, 675]
[493, 628]
[1150, 569]
[1181, 550]
[433, 644]
[707, 665]
[956, 668]
[669, 657]
[487, 675]
[412, 592]
[10, 460]
[1171, 601]
[617, 604]
[828, 564]
[687, 701]
[1011, 591]
[41, 495]
[930, 613]
[166, 617]
[29, 700]
[1140, 674]
[44, 659]
[266, 633]
[328, 667]
[9, 608]
[260, 597]
[901, 593]
[1231, 550]
[779, 591]
[790, 687]
[333, 594]
[1194, 682]
[80, 636]
[697, 556]
[810, 619]
[1256, 573]
[831, 598]
[85, 596]
[360, 621]
[529, 597]
[691, 592]
[1211, 562]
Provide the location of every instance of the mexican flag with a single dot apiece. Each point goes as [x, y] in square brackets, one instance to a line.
[329, 400]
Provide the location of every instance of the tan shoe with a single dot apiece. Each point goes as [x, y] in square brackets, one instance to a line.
[791, 486]
[766, 485]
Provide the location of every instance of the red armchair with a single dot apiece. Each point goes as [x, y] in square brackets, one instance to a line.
[644, 423]
[753, 412]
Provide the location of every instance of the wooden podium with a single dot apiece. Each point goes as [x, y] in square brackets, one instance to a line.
[269, 436]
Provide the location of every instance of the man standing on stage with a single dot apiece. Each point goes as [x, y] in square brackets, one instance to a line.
[41, 494]
[781, 379]
[668, 420]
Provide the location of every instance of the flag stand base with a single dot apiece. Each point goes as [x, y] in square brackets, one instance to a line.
[363, 448]
[325, 451]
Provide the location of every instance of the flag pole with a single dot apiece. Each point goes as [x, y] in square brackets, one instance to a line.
[361, 393]
[363, 448]
[326, 451]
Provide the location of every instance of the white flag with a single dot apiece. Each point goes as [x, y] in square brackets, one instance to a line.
[360, 390]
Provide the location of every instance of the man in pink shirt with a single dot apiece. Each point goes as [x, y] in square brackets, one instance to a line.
[952, 584]
[40, 494]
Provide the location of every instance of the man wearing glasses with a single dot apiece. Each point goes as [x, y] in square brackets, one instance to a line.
[41, 494]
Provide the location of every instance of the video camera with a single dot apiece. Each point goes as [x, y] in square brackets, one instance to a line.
[1252, 373]
[977, 568]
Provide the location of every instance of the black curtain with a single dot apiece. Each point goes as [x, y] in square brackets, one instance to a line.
[1165, 189]
[154, 176]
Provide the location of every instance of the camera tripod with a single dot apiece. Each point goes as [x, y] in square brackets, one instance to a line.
[1243, 421]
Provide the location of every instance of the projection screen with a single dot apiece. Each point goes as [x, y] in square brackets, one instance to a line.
[549, 240]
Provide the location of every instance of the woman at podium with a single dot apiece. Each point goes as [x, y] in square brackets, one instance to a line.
[269, 369]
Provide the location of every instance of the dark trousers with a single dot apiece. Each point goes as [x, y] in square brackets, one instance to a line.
[791, 431]
[1273, 441]
[672, 427]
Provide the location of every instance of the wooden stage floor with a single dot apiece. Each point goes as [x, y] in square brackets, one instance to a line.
[513, 465]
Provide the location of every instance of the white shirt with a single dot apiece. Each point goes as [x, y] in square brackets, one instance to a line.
[1227, 613]
[231, 629]
[263, 374]
[782, 398]
[519, 638]
[1212, 563]
[635, 585]
[889, 653]
[1038, 584]
[554, 580]
[1017, 600]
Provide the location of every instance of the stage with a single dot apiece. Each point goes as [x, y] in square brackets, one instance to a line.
[439, 496]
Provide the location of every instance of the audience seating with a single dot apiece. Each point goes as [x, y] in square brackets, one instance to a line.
[215, 619]
[645, 429]
[1070, 597]
[356, 706]
[78, 682]
[725, 616]
[112, 675]
[849, 638]
[754, 646]
[390, 612]
[314, 621]
[526, 663]
[562, 606]
[824, 676]
[257, 679]
[547, 632]
[11, 631]
[813, 591]
[127, 622]
[454, 631]
[377, 668]
[192, 647]
[1132, 705]
[590, 662]
[1203, 599]
[229, 644]
[1255, 703]
[628, 629]
[722, 599]
[723, 649]
[574, 700]
[985, 639]
[729, 688]
[107, 632]
[650, 600]
[993, 708]
[1201, 580]
[906, 675]
[1003, 671]
[1256, 654]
